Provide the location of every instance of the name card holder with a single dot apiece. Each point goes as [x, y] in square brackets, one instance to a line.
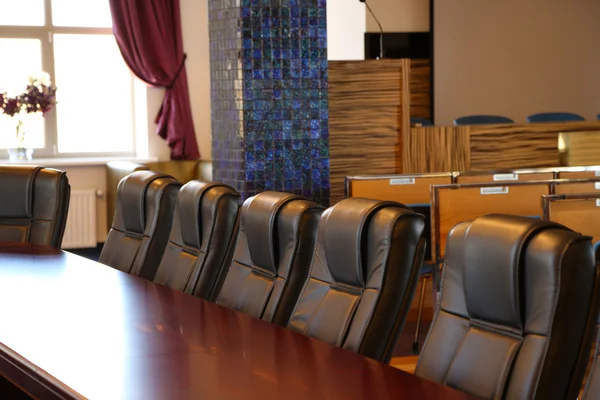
[494, 190]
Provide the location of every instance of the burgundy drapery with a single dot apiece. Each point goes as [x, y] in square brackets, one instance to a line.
[148, 33]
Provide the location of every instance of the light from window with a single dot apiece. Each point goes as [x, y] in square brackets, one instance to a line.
[22, 12]
[81, 13]
[94, 95]
[25, 57]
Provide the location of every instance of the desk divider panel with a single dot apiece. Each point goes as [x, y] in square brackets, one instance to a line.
[589, 187]
[510, 176]
[579, 212]
[454, 204]
[412, 190]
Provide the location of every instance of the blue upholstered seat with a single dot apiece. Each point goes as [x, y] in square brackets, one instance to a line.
[422, 121]
[554, 117]
[482, 120]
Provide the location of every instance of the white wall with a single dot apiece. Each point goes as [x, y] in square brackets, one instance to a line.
[346, 26]
[516, 58]
[400, 15]
[194, 22]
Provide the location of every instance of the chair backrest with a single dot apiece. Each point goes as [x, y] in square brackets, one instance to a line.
[362, 276]
[142, 223]
[34, 206]
[554, 117]
[420, 121]
[482, 120]
[271, 257]
[517, 314]
[203, 226]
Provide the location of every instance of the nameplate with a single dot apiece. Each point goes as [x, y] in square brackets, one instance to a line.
[597, 185]
[597, 202]
[494, 190]
[506, 177]
[402, 181]
[597, 173]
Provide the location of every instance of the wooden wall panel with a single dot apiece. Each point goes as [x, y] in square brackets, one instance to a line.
[365, 119]
[436, 149]
[511, 146]
[420, 89]
[499, 147]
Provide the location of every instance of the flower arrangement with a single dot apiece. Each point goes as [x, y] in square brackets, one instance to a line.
[39, 97]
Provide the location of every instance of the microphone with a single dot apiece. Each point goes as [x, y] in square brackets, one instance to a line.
[380, 28]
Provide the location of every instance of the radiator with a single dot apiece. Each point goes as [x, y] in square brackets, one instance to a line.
[81, 220]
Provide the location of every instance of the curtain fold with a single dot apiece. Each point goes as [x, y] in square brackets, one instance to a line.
[148, 33]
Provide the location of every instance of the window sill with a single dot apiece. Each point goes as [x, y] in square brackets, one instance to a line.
[75, 162]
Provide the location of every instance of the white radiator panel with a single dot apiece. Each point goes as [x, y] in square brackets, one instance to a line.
[81, 220]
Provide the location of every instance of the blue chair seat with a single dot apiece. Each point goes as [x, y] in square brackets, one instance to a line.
[482, 120]
[419, 120]
[554, 117]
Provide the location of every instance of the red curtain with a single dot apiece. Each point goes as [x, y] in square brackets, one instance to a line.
[148, 33]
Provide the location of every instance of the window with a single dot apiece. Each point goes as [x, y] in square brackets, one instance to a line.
[72, 41]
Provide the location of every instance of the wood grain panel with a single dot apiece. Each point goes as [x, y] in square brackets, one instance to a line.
[581, 148]
[486, 178]
[420, 88]
[435, 149]
[365, 120]
[382, 189]
[466, 204]
[503, 149]
[582, 216]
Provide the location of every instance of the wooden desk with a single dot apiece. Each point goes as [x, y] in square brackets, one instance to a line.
[496, 147]
[72, 328]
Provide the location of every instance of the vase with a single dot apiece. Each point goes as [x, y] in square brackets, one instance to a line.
[20, 153]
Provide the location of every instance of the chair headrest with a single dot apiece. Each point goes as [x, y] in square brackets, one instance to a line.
[258, 220]
[17, 183]
[132, 195]
[189, 207]
[493, 260]
[344, 228]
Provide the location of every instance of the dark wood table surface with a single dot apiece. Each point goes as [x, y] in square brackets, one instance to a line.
[73, 328]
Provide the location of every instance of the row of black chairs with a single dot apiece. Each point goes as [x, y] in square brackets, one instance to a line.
[519, 296]
[499, 119]
[345, 275]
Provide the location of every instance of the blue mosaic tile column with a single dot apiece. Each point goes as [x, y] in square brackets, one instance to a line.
[269, 96]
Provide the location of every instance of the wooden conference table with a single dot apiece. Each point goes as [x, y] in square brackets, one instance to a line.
[73, 328]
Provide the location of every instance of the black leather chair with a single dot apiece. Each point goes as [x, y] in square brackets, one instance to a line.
[203, 227]
[516, 318]
[363, 276]
[142, 223]
[271, 257]
[34, 205]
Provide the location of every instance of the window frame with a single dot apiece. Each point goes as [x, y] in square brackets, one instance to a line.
[46, 34]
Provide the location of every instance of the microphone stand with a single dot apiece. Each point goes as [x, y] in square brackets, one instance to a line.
[380, 28]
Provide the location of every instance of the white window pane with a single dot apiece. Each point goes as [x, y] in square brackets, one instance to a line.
[22, 12]
[25, 57]
[94, 95]
[83, 13]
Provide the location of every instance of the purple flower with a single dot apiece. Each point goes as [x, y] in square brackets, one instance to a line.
[11, 106]
[37, 97]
